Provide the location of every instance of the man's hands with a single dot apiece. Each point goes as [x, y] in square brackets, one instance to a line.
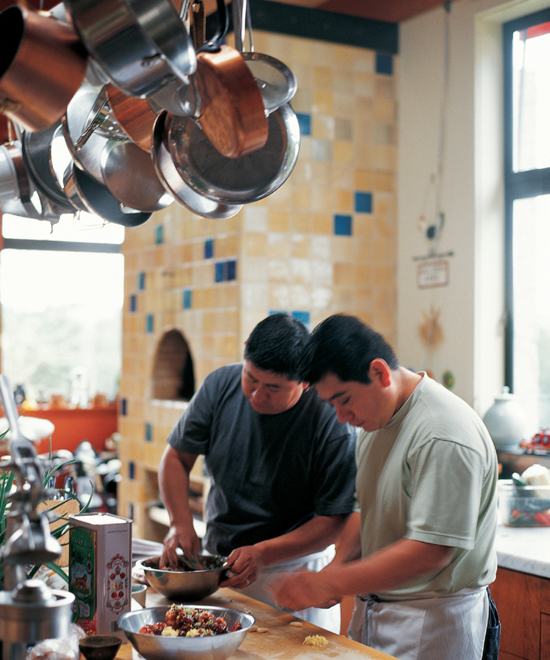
[302, 589]
[179, 536]
[245, 565]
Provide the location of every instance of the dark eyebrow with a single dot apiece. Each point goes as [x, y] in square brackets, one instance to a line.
[335, 396]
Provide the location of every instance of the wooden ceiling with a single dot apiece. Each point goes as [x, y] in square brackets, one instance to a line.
[392, 11]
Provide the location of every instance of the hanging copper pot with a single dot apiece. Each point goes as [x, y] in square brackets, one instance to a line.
[42, 64]
[134, 116]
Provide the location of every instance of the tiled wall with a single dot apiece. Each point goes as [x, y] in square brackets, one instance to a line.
[325, 242]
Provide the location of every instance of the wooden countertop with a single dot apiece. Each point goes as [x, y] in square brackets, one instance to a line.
[281, 642]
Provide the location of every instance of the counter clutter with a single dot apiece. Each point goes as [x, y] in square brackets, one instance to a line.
[281, 636]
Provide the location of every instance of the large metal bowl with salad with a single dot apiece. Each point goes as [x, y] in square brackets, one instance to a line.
[185, 632]
[191, 580]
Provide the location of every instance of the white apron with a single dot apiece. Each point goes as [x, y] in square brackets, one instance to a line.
[445, 628]
[325, 618]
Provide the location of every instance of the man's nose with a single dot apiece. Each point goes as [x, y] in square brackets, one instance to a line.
[343, 415]
[260, 394]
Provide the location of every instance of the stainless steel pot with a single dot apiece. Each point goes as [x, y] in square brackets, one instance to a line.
[175, 185]
[88, 194]
[234, 180]
[130, 176]
[139, 44]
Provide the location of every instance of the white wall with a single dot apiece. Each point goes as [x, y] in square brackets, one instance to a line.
[470, 308]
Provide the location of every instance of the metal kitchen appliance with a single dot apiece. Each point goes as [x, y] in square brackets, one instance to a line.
[29, 610]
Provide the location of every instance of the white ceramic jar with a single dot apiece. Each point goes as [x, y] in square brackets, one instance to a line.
[505, 421]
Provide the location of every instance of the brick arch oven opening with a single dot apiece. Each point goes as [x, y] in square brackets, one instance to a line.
[173, 372]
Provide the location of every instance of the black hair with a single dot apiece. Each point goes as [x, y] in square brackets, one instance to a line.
[344, 346]
[276, 344]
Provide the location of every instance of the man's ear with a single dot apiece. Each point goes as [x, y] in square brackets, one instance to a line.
[380, 372]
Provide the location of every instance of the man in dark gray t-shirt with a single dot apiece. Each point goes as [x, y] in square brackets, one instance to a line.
[282, 468]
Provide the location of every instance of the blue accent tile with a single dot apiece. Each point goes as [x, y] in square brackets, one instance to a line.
[131, 470]
[130, 511]
[148, 432]
[124, 407]
[133, 303]
[141, 281]
[363, 202]
[384, 64]
[159, 234]
[276, 311]
[304, 122]
[303, 317]
[187, 298]
[342, 225]
[231, 270]
[150, 323]
[209, 248]
[219, 271]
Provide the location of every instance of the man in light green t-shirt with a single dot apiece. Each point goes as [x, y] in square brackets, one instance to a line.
[419, 555]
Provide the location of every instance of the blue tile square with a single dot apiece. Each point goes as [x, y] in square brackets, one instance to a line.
[133, 303]
[342, 225]
[209, 248]
[304, 121]
[130, 511]
[141, 281]
[384, 64]
[363, 202]
[124, 407]
[231, 270]
[148, 432]
[277, 311]
[159, 234]
[219, 271]
[131, 470]
[187, 298]
[150, 323]
[301, 316]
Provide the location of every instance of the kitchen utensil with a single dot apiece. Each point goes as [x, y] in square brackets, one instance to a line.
[80, 112]
[183, 585]
[131, 178]
[229, 104]
[176, 186]
[138, 44]
[85, 193]
[158, 647]
[275, 80]
[134, 116]
[42, 64]
[36, 151]
[99, 647]
[234, 180]
[9, 182]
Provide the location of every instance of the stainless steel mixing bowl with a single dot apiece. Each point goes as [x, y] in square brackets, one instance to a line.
[183, 586]
[157, 647]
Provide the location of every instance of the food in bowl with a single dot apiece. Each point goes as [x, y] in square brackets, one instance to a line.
[184, 584]
[167, 647]
[183, 621]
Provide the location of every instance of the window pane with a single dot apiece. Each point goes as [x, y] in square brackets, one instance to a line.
[82, 228]
[61, 315]
[531, 98]
[531, 236]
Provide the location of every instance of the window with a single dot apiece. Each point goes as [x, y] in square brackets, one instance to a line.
[61, 292]
[527, 204]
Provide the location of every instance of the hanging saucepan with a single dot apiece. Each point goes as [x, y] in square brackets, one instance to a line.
[174, 184]
[139, 44]
[14, 182]
[234, 180]
[134, 116]
[42, 64]
[130, 176]
[229, 104]
[275, 80]
[80, 113]
[88, 194]
[36, 149]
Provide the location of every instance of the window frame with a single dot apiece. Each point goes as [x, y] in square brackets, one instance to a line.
[517, 185]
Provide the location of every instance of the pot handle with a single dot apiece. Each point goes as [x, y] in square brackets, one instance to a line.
[213, 45]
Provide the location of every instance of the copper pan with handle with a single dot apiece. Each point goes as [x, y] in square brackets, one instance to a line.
[42, 65]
